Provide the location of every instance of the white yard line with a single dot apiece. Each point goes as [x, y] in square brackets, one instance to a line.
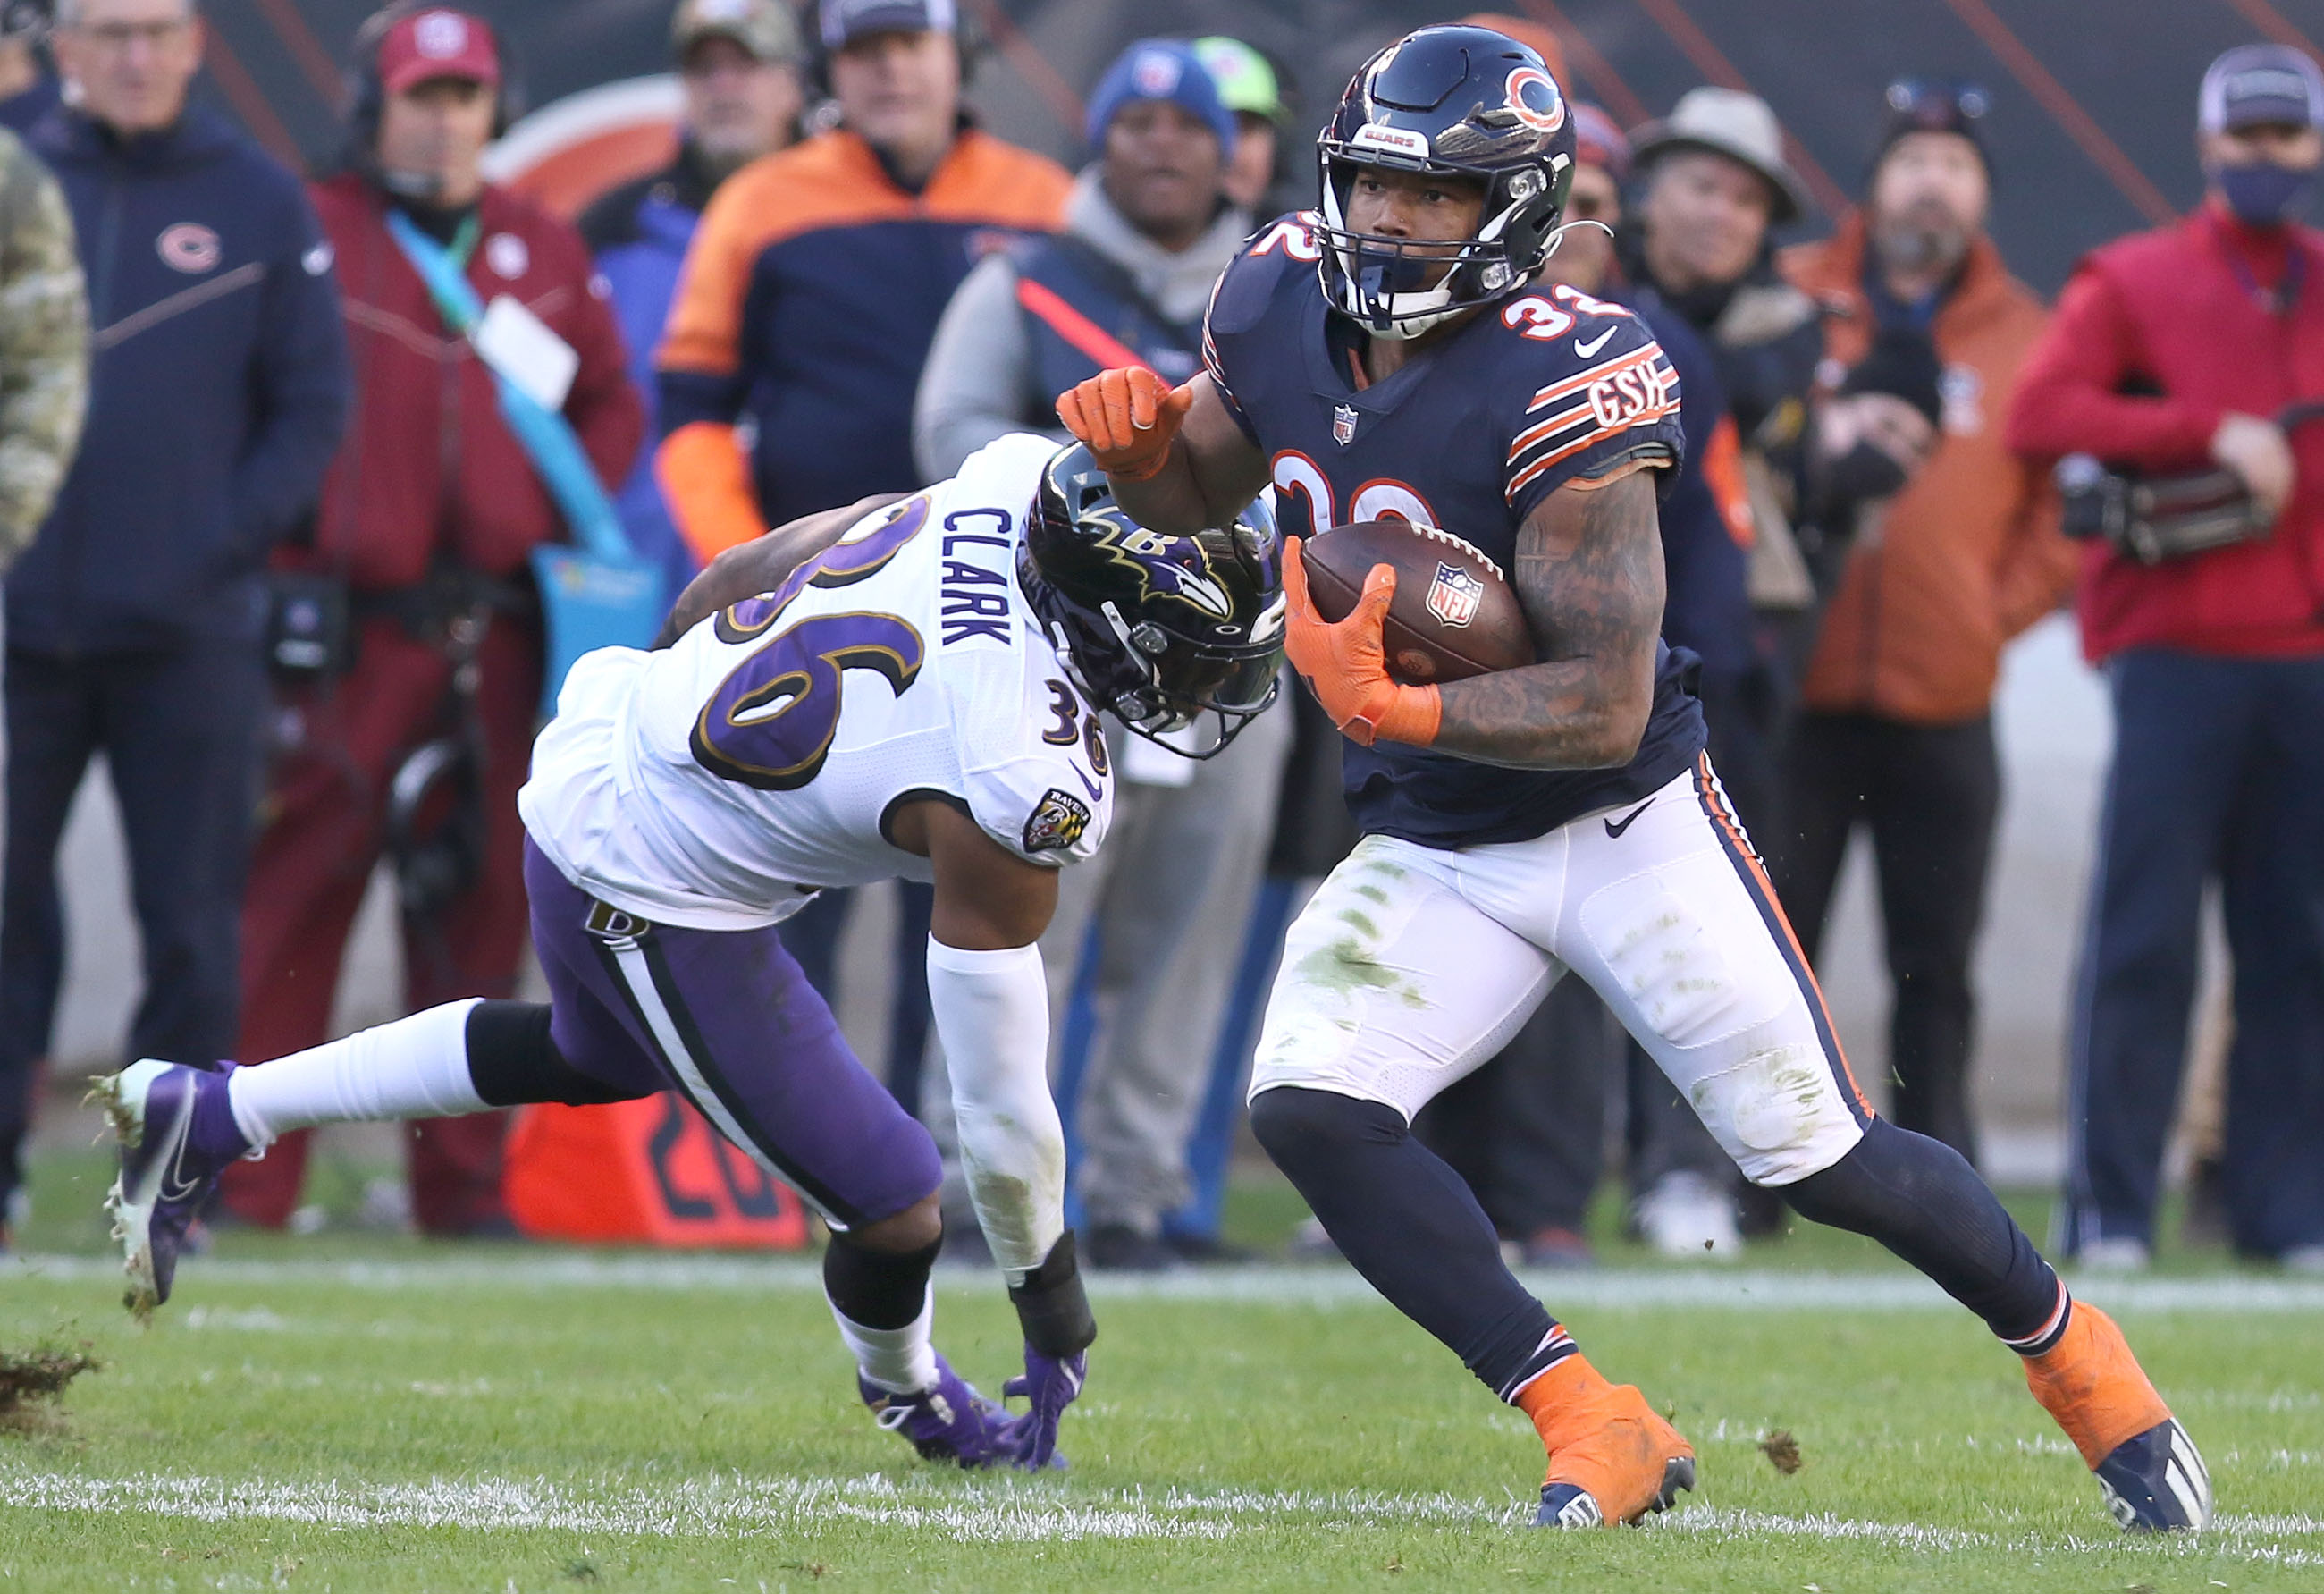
[983, 1511]
[1753, 1290]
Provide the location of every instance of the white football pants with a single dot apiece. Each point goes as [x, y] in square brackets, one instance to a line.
[1414, 966]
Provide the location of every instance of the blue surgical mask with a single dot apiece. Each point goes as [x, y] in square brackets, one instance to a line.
[2262, 194]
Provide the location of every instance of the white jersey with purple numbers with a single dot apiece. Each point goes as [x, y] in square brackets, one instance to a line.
[719, 783]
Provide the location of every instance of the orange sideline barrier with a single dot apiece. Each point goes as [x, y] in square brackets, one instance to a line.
[650, 1172]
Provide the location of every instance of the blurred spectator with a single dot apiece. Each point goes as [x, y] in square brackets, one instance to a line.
[1529, 1130]
[427, 516]
[2173, 351]
[813, 288]
[28, 90]
[738, 61]
[218, 391]
[1897, 732]
[44, 396]
[1712, 185]
[1715, 185]
[1147, 233]
[810, 297]
[1250, 86]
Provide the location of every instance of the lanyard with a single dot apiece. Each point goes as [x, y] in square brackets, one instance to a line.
[2281, 300]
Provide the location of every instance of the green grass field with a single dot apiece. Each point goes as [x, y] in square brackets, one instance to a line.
[353, 1413]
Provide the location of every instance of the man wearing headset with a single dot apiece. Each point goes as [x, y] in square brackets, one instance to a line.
[426, 517]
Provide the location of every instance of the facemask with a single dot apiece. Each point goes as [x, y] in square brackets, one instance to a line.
[2262, 194]
[1865, 470]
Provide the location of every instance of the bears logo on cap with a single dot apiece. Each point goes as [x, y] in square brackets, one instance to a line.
[1154, 75]
[440, 35]
[189, 247]
[1533, 95]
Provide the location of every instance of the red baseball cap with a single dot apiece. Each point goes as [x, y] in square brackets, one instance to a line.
[437, 42]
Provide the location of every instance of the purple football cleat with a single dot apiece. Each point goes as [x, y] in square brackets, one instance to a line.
[176, 1133]
[950, 1422]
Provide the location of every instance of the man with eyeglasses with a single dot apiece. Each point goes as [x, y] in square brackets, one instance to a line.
[1952, 548]
[2178, 351]
[738, 64]
[218, 388]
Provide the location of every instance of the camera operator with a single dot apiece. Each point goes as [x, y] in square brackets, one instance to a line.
[2169, 353]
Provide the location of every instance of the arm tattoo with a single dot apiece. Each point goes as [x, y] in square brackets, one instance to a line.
[760, 566]
[1589, 575]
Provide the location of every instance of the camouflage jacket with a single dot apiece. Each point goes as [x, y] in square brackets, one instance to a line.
[43, 344]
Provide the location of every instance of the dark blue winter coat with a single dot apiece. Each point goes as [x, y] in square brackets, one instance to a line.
[217, 389]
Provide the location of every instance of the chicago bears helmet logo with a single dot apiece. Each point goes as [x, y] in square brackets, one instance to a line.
[1531, 94]
[1454, 595]
[189, 247]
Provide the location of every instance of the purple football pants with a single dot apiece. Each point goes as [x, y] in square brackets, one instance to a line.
[727, 1018]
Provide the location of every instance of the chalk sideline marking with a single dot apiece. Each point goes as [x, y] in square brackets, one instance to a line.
[983, 1511]
[1754, 1290]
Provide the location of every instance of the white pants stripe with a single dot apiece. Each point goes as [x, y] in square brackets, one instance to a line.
[629, 961]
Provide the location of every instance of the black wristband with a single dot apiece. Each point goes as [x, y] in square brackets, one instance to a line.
[1051, 1306]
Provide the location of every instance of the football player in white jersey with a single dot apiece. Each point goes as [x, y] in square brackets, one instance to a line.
[906, 688]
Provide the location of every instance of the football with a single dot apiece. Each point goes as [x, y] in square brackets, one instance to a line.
[1454, 614]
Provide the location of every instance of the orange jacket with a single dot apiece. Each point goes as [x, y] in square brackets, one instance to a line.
[808, 301]
[1968, 554]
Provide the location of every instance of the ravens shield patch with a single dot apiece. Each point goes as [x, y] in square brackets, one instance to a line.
[1059, 822]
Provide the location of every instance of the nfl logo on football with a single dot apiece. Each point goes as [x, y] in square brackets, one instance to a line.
[1454, 595]
[1343, 424]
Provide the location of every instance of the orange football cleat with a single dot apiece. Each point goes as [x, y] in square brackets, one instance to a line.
[1612, 1458]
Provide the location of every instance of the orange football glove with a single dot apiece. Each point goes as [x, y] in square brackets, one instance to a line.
[1347, 663]
[1127, 417]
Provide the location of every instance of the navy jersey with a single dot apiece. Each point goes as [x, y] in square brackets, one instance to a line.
[1542, 389]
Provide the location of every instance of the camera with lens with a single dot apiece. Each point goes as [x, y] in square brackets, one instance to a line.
[2155, 518]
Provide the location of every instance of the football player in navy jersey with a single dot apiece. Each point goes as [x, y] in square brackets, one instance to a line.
[1396, 353]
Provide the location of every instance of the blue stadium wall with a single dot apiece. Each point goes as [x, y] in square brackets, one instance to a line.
[2092, 99]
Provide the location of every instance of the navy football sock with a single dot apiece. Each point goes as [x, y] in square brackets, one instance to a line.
[1412, 1228]
[1921, 1200]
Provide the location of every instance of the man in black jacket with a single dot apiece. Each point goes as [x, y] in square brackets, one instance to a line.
[218, 391]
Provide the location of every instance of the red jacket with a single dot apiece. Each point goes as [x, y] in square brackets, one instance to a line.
[2167, 310]
[428, 468]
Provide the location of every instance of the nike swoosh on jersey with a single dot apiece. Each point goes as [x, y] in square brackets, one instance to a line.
[1587, 349]
[1615, 830]
[1095, 789]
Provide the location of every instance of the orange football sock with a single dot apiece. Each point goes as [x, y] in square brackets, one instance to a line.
[1602, 1438]
[2091, 1383]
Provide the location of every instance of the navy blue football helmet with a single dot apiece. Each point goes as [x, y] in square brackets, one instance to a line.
[1460, 102]
[1157, 629]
